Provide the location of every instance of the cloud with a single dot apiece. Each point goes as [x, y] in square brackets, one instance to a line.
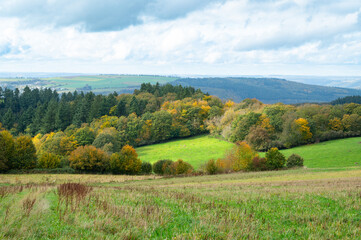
[95, 15]
[189, 35]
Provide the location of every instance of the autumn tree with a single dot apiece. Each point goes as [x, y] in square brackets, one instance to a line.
[24, 153]
[6, 150]
[89, 158]
[241, 156]
[275, 159]
[126, 161]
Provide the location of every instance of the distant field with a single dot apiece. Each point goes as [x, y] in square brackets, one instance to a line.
[106, 83]
[330, 154]
[195, 150]
[292, 204]
[99, 83]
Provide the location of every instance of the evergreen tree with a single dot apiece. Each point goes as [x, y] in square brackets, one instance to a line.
[9, 119]
[48, 123]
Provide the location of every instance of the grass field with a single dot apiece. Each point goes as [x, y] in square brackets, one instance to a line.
[99, 83]
[336, 153]
[195, 150]
[293, 204]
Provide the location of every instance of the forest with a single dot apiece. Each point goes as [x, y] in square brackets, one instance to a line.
[98, 133]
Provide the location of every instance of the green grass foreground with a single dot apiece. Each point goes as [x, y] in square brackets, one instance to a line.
[293, 204]
[195, 150]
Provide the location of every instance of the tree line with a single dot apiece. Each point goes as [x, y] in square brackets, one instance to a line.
[59, 129]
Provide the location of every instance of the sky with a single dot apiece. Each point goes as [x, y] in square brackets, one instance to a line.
[188, 37]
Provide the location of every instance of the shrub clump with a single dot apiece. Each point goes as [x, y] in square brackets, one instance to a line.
[294, 161]
[146, 168]
[211, 167]
[180, 167]
[259, 164]
[49, 161]
[162, 167]
[126, 161]
[88, 158]
[275, 159]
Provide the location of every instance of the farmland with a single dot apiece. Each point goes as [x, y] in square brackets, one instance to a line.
[98, 83]
[195, 150]
[295, 204]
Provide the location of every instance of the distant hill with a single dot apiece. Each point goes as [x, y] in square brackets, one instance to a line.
[267, 90]
[348, 99]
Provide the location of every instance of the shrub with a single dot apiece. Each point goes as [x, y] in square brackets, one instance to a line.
[211, 167]
[240, 157]
[259, 164]
[146, 168]
[49, 160]
[294, 161]
[180, 167]
[162, 166]
[88, 158]
[275, 159]
[126, 161]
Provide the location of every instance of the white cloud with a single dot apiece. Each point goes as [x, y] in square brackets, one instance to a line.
[223, 36]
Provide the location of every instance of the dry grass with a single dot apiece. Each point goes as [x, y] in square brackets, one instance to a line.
[298, 204]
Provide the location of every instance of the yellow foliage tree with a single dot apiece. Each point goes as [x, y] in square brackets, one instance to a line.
[335, 124]
[241, 156]
[303, 128]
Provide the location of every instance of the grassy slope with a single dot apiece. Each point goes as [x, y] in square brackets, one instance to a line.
[195, 150]
[293, 204]
[336, 153]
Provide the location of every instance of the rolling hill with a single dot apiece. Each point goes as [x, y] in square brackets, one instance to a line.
[267, 90]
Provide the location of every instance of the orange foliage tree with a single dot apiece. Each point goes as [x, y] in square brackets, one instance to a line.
[89, 158]
[126, 161]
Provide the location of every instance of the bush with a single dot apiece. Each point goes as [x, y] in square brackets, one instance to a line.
[259, 164]
[294, 161]
[240, 157]
[275, 159]
[126, 161]
[162, 166]
[211, 167]
[146, 168]
[49, 161]
[88, 158]
[180, 167]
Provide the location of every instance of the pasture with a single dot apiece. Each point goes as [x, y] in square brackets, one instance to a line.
[292, 204]
[195, 150]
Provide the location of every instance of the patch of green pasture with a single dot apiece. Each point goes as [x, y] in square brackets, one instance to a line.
[106, 81]
[195, 150]
[330, 154]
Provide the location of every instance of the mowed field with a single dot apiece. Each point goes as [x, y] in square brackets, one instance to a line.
[105, 83]
[197, 150]
[292, 204]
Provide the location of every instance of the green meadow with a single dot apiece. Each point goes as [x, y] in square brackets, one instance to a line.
[101, 83]
[195, 150]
